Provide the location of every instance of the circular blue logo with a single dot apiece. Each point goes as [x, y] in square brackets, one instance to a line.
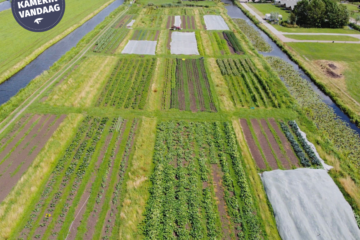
[38, 15]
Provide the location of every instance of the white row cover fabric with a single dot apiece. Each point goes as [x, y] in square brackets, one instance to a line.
[215, 22]
[130, 24]
[183, 43]
[140, 47]
[312, 146]
[308, 205]
[177, 21]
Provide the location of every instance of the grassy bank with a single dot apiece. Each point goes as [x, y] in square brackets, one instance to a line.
[19, 46]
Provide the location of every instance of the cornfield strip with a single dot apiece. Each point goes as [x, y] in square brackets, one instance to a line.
[110, 41]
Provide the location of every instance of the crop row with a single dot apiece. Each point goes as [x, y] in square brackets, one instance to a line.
[233, 42]
[218, 43]
[146, 35]
[110, 40]
[245, 85]
[297, 149]
[65, 180]
[190, 87]
[128, 84]
[254, 36]
[124, 20]
[183, 154]
[314, 159]
[337, 131]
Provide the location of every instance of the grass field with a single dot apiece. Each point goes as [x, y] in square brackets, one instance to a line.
[20, 46]
[264, 8]
[153, 147]
[347, 53]
[322, 37]
[315, 30]
[353, 8]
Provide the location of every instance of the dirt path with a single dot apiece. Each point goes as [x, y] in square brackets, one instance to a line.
[252, 146]
[264, 144]
[219, 192]
[275, 145]
[32, 98]
[290, 153]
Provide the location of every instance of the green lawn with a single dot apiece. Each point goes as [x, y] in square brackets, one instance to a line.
[158, 2]
[16, 43]
[322, 37]
[264, 8]
[315, 30]
[348, 53]
[351, 8]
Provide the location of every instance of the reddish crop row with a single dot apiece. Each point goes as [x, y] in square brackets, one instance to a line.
[189, 86]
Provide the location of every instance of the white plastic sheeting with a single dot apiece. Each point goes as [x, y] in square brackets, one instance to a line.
[140, 47]
[177, 21]
[308, 205]
[183, 43]
[312, 146]
[130, 24]
[215, 22]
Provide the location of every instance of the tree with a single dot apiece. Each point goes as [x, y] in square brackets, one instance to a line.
[316, 13]
[320, 13]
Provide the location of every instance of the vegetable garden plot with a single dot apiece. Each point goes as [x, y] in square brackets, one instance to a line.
[247, 87]
[109, 42]
[145, 35]
[215, 22]
[18, 155]
[185, 155]
[180, 11]
[222, 45]
[150, 21]
[183, 43]
[208, 11]
[267, 149]
[187, 22]
[128, 84]
[100, 145]
[308, 205]
[187, 86]
[124, 21]
[140, 47]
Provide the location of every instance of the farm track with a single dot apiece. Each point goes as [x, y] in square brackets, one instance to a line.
[274, 145]
[287, 146]
[255, 152]
[264, 144]
[219, 191]
[31, 99]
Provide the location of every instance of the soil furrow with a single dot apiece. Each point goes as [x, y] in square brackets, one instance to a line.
[264, 144]
[275, 145]
[294, 160]
[251, 143]
[219, 192]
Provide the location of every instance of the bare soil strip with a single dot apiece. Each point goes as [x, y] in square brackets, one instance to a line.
[251, 143]
[219, 192]
[168, 22]
[23, 143]
[14, 130]
[275, 145]
[294, 160]
[264, 144]
[21, 160]
[19, 136]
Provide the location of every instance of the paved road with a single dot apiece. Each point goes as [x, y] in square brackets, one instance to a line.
[283, 38]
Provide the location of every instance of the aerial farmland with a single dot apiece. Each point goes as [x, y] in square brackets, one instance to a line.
[174, 121]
